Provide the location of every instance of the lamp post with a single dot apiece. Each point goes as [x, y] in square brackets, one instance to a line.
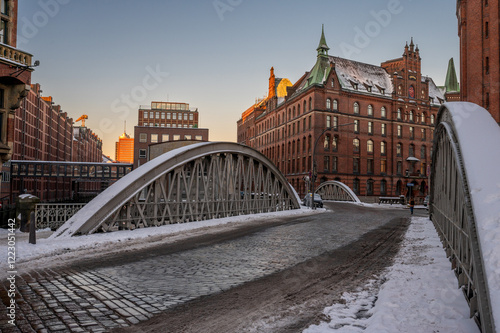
[314, 172]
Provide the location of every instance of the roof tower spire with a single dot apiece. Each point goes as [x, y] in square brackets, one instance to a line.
[322, 47]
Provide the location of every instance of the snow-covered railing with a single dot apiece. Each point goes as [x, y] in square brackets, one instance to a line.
[53, 216]
[12, 54]
[465, 204]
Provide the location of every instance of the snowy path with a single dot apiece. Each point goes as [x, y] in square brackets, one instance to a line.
[419, 294]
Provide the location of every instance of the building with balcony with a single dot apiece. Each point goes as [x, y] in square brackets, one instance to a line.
[15, 76]
[367, 126]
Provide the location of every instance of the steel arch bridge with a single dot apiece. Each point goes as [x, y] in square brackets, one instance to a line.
[457, 209]
[197, 182]
[335, 190]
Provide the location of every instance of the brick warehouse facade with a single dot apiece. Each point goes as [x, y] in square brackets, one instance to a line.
[165, 122]
[479, 32]
[43, 132]
[381, 120]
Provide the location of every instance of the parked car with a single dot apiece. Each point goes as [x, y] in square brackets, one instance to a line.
[318, 202]
[426, 201]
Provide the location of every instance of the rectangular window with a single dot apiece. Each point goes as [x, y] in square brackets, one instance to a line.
[163, 115]
[177, 137]
[399, 168]
[154, 138]
[4, 32]
[145, 114]
[326, 163]
[187, 137]
[164, 137]
[191, 117]
[5, 7]
[423, 134]
[356, 126]
[198, 137]
[412, 133]
[355, 165]
[157, 115]
[369, 166]
[334, 163]
[142, 153]
[185, 116]
[174, 116]
[168, 115]
[370, 127]
[328, 121]
[400, 131]
[383, 129]
[335, 123]
[383, 166]
[143, 137]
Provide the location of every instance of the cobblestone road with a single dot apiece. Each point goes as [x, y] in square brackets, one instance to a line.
[96, 298]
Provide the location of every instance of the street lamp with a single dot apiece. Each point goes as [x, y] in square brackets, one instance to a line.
[314, 172]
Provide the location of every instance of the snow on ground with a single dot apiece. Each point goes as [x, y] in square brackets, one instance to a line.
[417, 294]
[48, 251]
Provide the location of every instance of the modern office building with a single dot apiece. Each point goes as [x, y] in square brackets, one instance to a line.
[124, 149]
[368, 126]
[165, 122]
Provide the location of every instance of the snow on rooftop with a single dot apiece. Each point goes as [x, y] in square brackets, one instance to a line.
[479, 136]
[365, 75]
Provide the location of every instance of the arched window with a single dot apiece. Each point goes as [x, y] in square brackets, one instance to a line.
[422, 117]
[293, 113]
[328, 104]
[369, 187]
[370, 110]
[399, 114]
[369, 146]
[398, 187]
[355, 144]
[411, 115]
[335, 104]
[305, 106]
[356, 107]
[432, 119]
[383, 112]
[334, 142]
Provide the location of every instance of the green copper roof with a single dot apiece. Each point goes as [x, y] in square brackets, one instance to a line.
[322, 47]
[322, 68]
[451, 82]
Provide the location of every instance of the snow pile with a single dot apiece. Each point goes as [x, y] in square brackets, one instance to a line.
[478, 135]
[417, 294]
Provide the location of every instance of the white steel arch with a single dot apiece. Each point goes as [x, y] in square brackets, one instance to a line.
[197, 182]
[335, 190]
[462, 178]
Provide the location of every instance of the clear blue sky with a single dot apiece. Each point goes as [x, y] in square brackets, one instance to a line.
[104, 58]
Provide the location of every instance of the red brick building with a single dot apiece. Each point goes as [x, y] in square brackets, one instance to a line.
[380, 121]
[165, 122]
[43, 132]
[15, 76]
[478, 29]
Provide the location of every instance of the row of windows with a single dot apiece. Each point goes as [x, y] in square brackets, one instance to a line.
[143, 137]
[168, 115]
[169, 125]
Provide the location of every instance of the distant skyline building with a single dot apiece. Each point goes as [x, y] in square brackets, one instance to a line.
[15, 76]
[164, 122]
[124, 149]
[373, 125]
[478, 30]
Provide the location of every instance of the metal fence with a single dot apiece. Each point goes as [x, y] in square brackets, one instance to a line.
[54, 215]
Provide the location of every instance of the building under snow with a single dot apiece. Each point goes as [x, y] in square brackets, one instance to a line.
[380, 121]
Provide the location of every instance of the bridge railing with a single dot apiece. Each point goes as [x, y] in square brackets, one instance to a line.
[460, 199]
[49, 215]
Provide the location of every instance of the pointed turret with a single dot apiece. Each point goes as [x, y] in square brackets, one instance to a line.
[322, 47]
[411, 45]
[451, 82]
